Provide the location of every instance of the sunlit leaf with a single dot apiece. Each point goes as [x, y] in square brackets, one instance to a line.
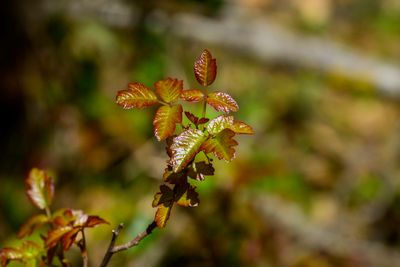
[165, 196]
[192, 95]
[32, 224]
[205, 68]
[165, 121]
[219, 123]
[187, 196]
[40, 188]
[221, 145]
[241, 128]
[136, 96]
[53, 236]
[30, 250]
[227, 122]
[7, 254]
[169, 89]
[185, 146]
[162, 215]
[222, 102]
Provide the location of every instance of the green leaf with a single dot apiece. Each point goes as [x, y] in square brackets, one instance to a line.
[28, 253]
[227, 122]
[32, 224]
[222, 102]
[162, 214]
[136, 96]
[185, 147]
[30, 250]
[219, 123]
[221, 145]
[165, 121]
[40, 188]
[169, 89]
[205, 68]
[192, 95]
[240, 127]
[186, 196]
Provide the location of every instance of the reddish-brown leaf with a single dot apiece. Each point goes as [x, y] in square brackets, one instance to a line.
[174, 178]
[240, 127]
[222, 102]
[205, 68]
[193, 118]
[165, 196]
[185, 146]
[32, 224]
[165, 121]
[196, 120]
[169, 89]
[221, 145]
[94, 220]
[69, 238]
[136, 96]
[192, 95]
[187, 196]
[203, 120]
[53, 236]
[162, 215]
[40, 188]
[204, 168]
[8, 254]
[169, 142]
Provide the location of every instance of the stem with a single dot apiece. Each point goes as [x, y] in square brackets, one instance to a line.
[48, 212]
[203, 114]
[82, 246]
[134, 242]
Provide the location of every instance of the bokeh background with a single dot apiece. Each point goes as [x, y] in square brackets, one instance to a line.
[319, 81]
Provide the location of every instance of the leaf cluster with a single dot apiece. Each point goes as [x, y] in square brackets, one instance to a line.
[210, 136]
[64, 227]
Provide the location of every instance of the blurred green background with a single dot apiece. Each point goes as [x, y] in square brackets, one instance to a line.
[316, 186]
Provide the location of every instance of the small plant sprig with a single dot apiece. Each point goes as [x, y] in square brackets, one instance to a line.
[201, 135]
[65, 228]
[189, 150]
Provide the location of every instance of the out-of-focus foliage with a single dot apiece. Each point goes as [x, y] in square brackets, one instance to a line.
[323, 163]
[64, 226]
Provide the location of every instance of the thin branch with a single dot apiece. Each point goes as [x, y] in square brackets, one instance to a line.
[134, 242]
[82, 247]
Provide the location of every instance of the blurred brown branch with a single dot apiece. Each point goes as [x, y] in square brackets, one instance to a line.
[112, 249]
[288, 216]
[253, 35]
